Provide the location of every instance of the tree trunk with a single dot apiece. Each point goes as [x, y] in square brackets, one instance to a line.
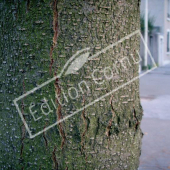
[37, 40]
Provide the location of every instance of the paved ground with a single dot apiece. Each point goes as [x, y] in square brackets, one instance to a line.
[155, 99]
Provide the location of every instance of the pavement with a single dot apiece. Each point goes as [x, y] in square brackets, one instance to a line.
[155, 100]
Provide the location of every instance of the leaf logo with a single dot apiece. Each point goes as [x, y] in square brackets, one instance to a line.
[77, 63]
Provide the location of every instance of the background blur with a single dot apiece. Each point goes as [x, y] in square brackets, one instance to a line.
[155, 86]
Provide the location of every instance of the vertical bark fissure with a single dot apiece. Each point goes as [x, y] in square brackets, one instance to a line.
[55, 29]
[57, 87]
[85, 124]
[54, 159]
[136, 119]
[28, 5]
[98, 29]
[138, 3]
[58, 112]
[45, 138]
[111, 120]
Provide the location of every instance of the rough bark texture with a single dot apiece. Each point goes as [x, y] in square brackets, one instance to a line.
[37, 39]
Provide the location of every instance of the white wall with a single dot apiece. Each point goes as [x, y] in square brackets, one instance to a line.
[166, 27]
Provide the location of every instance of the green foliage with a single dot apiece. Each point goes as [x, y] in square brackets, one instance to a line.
[151, 21]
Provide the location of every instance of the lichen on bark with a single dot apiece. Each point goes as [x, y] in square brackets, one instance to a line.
[38, 38]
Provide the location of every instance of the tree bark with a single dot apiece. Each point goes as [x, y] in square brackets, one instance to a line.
[37, 39]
